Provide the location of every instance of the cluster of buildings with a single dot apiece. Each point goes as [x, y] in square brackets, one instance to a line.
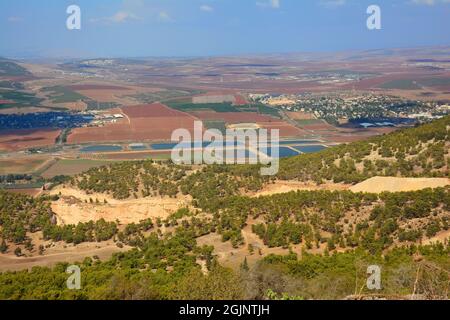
[101, 118]
[341, 107]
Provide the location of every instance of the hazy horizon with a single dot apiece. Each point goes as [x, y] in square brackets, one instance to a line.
[211, 28]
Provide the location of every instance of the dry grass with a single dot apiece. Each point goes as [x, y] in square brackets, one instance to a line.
[392, 184]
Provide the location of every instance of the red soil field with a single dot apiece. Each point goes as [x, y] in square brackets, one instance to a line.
[319, 127]
[12, 140]
[234, 117]
[240, 100]
[299, 115]
[156, 110]
[154, 122]
[95, 87]
[5, 101]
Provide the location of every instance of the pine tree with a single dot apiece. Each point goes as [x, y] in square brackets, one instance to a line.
[244, 265]
[3, 246]
[18, 252]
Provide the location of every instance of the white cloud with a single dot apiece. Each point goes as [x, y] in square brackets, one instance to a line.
[274, 4]
[163, 16]
[429, 2]
[123, 16]
[333, 3]
[136, 10]
[119, 17]
[206, 8]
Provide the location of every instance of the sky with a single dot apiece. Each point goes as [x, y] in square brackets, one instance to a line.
[168, 28]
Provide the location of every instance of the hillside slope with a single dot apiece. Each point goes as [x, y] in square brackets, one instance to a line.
[415, 152]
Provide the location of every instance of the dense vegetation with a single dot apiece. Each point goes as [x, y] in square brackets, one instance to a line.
[341, 219]
[166, 268]
[148, 178]
[416, 152]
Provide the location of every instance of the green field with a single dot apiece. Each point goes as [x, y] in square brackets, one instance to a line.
[215, 124]
[268, 111]
[162, 95]
[431, 82]
[59, 94]
[307, 122]
[403, 84]
[217, 107]
[19, 99]
[95, 105]
[408, 84]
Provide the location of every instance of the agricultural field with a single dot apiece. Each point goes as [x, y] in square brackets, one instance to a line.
[309, 122]
[62, 96]
[286, 130]
[103, 94]
[232, 117]
[163, 95]
[442, 83]
[215, 124]
[71, 167]
[401, 84]
[26, 165]
[59, 94]
[153, 122]
[18, 99]
[21, 139]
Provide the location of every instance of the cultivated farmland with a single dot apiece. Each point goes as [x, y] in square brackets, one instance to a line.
[151, 122]
[12, 140]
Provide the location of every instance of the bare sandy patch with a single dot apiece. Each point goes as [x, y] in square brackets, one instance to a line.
[60, 252]
[75, 206]
[440, 237]
[292, 185]
[393, 184]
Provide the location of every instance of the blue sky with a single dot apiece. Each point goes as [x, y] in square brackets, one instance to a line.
[135, 28]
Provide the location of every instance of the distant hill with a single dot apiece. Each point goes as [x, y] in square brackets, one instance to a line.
[12, 69]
